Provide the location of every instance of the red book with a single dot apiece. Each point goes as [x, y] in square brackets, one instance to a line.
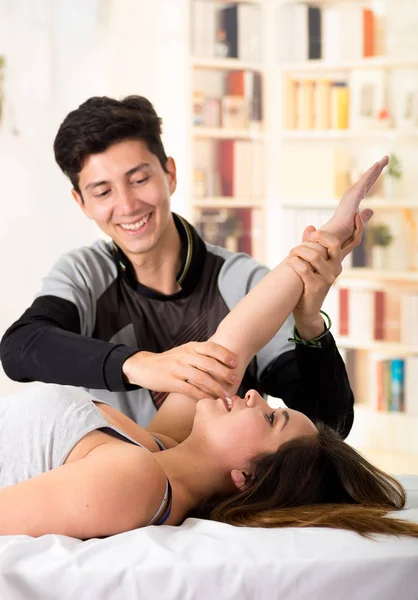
[368, 33]
[226, 167]
[235, 83]
[379, 315]
[245, 240]
[344, 305]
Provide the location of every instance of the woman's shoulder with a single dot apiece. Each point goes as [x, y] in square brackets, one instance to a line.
[134, 481]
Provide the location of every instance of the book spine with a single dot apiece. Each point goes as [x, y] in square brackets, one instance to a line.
[314, 32]
[398, 379]
[344, 311]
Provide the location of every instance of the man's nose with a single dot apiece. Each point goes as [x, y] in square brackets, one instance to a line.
[127, 200]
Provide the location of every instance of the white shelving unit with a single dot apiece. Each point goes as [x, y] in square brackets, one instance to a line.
[248, 210]
[320, 66]
[389, 439]
[372, 429]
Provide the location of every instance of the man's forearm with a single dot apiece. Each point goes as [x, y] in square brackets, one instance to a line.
[313, 381]
[52, 355]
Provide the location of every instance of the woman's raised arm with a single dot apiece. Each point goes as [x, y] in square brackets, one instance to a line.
[259, 315]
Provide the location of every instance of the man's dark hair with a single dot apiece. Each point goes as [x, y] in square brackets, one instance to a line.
[100, 122]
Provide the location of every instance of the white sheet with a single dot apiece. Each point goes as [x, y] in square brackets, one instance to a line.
[212, 561]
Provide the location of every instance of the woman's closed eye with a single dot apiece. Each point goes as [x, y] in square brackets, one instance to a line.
[270, 418]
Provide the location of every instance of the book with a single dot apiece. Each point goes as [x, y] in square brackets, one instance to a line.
[322, 108]
[229, 24]
[344, 323]
[306, 102]
[368, 33]
[339, 105]
[397, 384]
[361, 317]
[379, 315]
[241, 24]
[314, 32]
[226, 167]
[291, 104]
[234, 112]
[392, 322]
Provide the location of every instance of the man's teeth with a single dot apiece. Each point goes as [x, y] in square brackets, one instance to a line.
[135, 226]
[229, 403]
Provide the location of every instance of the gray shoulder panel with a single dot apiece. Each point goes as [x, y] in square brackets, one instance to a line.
[238, 275]
[81, 277]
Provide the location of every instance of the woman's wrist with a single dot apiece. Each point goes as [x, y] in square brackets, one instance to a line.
[309, 329]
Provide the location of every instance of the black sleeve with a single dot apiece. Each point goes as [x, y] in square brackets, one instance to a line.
[313, 381]
[45, 344]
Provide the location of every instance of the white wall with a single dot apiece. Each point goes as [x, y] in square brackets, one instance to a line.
[58, 54]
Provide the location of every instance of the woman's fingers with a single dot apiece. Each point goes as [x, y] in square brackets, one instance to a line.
[353, 196]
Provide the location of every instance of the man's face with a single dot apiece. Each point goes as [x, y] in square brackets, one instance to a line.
[127, 193]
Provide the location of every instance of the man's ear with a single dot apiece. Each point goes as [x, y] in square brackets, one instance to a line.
[241, 479]
[79, 199]
[170, 165]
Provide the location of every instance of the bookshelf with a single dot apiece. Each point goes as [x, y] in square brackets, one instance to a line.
[344, 103]
[227, 130]
[299, 170]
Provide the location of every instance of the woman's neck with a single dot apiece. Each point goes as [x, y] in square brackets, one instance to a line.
[193, 473]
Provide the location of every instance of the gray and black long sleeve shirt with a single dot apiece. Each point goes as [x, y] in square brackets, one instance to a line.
[92, 314]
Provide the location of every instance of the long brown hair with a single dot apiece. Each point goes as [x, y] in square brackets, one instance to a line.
[316, 481]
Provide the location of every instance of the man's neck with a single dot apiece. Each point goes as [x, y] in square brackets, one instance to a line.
[158, 268]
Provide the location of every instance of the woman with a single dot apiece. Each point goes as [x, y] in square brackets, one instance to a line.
[94, 472]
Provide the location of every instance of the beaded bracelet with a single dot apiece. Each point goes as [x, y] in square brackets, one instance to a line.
[315, 343]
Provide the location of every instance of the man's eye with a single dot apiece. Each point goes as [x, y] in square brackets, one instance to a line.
[139, 181]
[102, 194]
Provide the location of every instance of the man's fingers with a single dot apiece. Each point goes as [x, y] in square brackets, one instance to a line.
[217, 352]
[204, 382]
[214, 368]
[308, 230]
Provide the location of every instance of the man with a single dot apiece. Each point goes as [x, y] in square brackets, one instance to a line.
[128, 319]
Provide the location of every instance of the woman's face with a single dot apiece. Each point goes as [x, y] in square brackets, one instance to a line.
[238, 433]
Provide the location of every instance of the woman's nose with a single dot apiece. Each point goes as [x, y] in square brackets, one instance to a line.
[251, 398]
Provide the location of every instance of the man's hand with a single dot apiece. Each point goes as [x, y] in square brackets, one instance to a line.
[318, 274]
[197, 369]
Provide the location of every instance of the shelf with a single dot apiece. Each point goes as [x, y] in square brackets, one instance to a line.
[257, 2]
[218, 133]
[392, 348]
[374, 203]
[378, 62]
[379, 274]
[388, 439]
[226, 202]
[346, 134]
[225, 64]
[325, 2]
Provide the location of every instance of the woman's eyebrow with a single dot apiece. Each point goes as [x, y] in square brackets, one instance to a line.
[286, 419]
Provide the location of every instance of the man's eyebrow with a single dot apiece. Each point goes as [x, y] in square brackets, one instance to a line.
[286, 419]
[139, 167]
[135, 169]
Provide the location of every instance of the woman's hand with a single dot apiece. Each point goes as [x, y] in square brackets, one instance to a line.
[341, 223]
